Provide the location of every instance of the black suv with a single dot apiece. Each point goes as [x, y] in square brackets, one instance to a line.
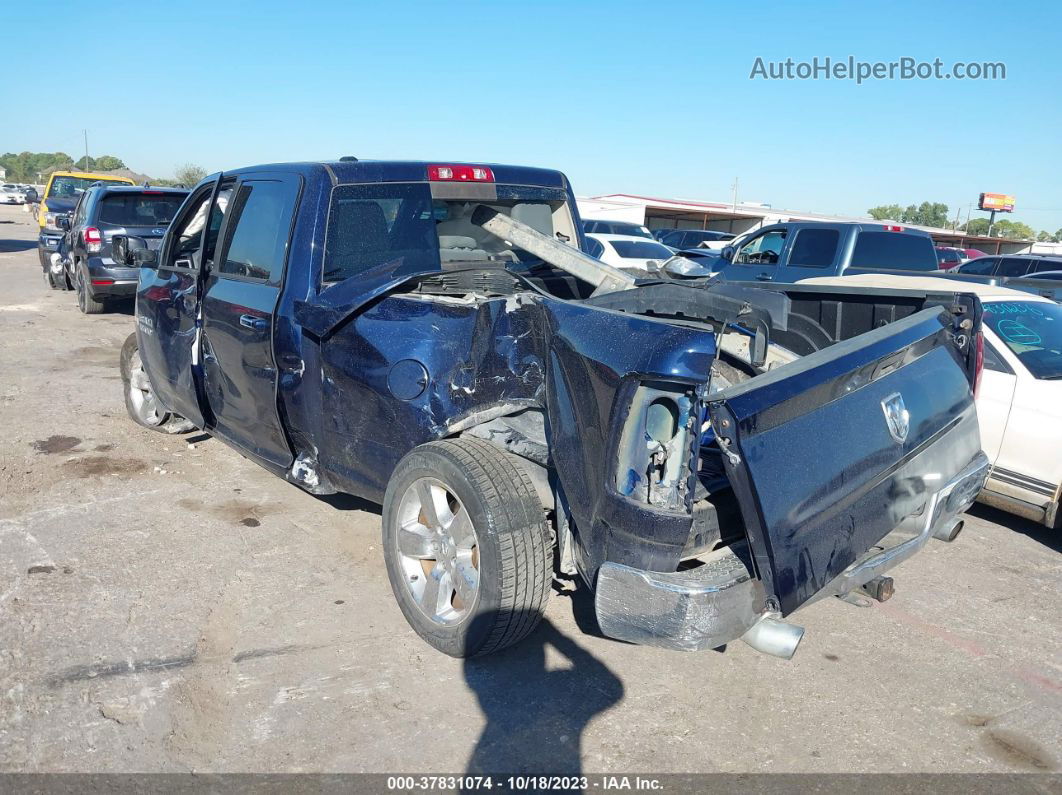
[102, 212]
[1014, 265]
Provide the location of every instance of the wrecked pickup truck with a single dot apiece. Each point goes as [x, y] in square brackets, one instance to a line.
[431, 337]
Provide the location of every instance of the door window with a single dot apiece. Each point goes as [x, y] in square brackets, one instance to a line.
[1013, 266]
[982, 266]
[256, 241]
[814, 248]
[189, 236]
[762, 250]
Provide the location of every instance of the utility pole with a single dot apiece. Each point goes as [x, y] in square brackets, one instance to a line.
[734, 188]
[86, 150]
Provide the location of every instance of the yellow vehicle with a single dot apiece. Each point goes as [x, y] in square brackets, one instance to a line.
[61, 193]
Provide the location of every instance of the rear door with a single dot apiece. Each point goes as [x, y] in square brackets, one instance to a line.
[832, 452]
[167, 302]
[1014, 267]
[813, 251]
[239, 304]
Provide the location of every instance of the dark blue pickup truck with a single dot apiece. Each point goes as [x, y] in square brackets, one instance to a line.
[430, 336]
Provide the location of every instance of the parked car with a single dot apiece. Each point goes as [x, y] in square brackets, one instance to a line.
[690, 238]
[1019, 403]
[102, 212]
[949, 258]
[617, 228]
[790, 252]
[1011, 265]
[60, 195]
[11, 194]
[407, 332]
[971, 253]
[627, 251]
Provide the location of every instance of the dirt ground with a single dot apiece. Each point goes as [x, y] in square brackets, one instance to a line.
[166, 605]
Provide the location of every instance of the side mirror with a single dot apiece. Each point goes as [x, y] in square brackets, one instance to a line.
[728, 253]
[145, 258]
[63, 222]
[132, 252]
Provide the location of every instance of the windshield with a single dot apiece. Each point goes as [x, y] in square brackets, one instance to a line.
[140, 209]
[894, 251]
[635, 249]
[67, 187]
[1033, 332]
[402, 224]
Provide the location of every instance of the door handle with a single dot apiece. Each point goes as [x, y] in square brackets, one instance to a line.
[764, 277]
[253, 322]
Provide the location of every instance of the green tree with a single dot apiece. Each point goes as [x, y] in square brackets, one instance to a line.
[1045, 237]
[109, 163]
[85, 163]
[976, 226]
[886, 212]
[189, 174]
[924, 214]
[1015, 230]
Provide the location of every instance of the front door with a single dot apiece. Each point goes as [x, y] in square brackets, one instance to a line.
[239, 303]
[167, 302]
[757, 259]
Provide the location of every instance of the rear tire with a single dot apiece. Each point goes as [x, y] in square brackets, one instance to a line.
[85, 302]
[460, 510]
[140, 400]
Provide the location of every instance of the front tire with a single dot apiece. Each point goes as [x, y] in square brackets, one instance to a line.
[140, 400]
[467, 548]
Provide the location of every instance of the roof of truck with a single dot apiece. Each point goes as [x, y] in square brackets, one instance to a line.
[346, 171]
[896, 281]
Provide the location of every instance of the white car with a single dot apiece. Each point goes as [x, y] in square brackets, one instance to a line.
[1019, 403]
[627, 251]
[11, 194]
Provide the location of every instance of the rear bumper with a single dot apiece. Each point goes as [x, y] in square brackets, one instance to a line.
[722, 600]
[122, 280]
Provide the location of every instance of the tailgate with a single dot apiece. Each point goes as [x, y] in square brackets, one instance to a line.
[820, 455]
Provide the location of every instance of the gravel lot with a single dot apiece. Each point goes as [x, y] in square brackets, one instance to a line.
[166, 605]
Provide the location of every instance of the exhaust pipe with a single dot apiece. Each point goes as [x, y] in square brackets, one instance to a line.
[772, 636]
[949, 532]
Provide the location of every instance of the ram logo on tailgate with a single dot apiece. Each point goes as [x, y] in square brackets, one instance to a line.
[896, 417]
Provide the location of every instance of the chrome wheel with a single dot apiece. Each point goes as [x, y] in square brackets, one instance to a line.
[141, 397]
[437, 551]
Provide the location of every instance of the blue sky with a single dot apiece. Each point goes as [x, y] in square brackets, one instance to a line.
[650, 98]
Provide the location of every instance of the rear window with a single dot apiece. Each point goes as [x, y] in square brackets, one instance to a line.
[894, 251]
[66, 187]
[634, 249]
[139, 209]
[400, 225]
[948, 255]
[814, 248]
[618, 228]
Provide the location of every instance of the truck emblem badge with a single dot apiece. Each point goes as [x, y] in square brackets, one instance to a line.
[896, 417]
[159, 232]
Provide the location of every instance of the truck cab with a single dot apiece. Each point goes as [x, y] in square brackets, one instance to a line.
[790, 252]
[431, 337]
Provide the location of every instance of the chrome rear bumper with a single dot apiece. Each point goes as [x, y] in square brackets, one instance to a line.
[722, 600]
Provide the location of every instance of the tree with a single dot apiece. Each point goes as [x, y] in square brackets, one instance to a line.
[1015, 230]
[189, 174]
[886, 212]
[924, 214]
[109, 163]
[26, 166]
[1045, 237]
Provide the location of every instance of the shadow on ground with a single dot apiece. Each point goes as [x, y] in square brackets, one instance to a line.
[536, 714]
[13, 246]
[1052, 539]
